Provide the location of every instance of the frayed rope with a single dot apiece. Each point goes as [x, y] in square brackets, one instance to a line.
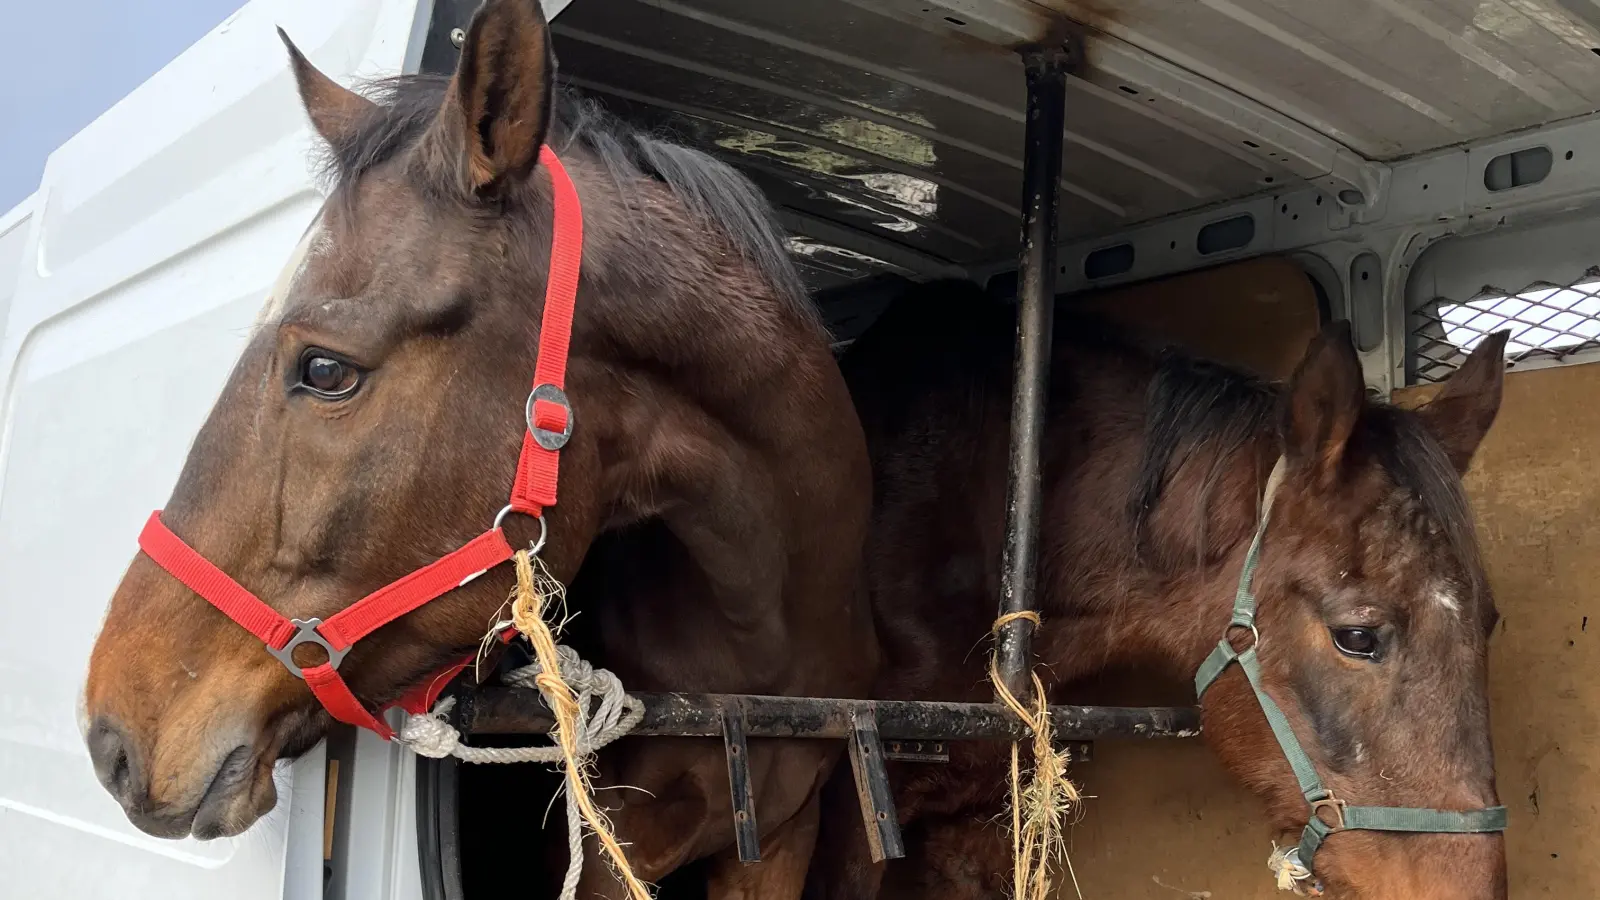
[527, 613]
[1042, 797]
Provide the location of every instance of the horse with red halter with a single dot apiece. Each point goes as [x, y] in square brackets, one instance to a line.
[1359, 610]
[480, 230]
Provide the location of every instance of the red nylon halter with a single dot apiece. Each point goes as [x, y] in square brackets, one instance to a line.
[549, 424]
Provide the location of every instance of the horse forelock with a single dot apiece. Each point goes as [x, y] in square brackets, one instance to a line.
[1205, 413]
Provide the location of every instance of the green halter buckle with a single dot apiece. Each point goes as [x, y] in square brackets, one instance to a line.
[1320, 799]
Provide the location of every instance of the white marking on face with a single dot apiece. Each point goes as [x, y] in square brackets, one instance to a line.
[314, 242]
[1361, 752]
[1445, 598]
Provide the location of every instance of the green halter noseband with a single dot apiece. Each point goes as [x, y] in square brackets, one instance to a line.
[1344, 817]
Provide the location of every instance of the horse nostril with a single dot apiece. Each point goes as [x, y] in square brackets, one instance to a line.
[113, 761]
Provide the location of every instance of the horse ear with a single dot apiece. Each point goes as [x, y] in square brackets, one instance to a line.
[1460, 414]
[1324, 401]
[334, 110]
[497, 109]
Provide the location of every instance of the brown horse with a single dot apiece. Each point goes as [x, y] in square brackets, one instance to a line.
[373, 424]
[1374, 614]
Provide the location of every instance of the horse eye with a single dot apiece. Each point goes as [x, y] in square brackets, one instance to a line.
[1361, 643]
[328, 377]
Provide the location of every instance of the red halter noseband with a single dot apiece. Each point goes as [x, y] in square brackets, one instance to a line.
[548, 417]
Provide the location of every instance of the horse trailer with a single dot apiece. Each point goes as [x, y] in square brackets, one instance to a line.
[1279, 263]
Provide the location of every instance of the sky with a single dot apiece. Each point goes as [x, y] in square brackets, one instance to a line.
[68, 61]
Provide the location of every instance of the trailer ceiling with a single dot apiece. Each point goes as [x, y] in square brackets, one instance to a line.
[889, 132]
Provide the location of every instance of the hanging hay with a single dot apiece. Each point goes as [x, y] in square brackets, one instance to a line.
[528, 610]
[1041, 796]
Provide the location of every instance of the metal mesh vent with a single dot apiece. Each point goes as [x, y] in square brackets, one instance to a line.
[1549, 323]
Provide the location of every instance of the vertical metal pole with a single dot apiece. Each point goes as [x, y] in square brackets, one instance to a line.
[1041, 177]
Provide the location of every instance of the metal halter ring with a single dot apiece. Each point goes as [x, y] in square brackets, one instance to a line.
[306, 633]
[549, 440]
[544, 530]
[1255, 635]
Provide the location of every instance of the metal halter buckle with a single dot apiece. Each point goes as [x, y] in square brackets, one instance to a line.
[306, 633]
[549, 440]
[1333, 803]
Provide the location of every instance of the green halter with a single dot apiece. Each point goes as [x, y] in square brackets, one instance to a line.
[1344, 818]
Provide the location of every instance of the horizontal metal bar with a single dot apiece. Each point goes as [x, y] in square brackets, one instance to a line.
[500, 710]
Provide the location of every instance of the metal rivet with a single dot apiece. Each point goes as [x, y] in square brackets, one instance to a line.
[458, 37]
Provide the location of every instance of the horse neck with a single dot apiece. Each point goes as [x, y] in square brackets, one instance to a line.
[713, 386]
[672, 292]
[670, 305]
[1160, 601]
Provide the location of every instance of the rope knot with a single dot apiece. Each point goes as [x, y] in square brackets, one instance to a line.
[590, 707]
[1025, 615]
[431, 735]
[577, 671]
[555, 689]
[1290, 873]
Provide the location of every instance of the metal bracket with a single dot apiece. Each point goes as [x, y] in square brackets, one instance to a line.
[872, 787]
[1077, 751]
[746, 832]
[306, 633]
[917, 751]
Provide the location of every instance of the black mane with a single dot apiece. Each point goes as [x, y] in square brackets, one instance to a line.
[711, 190]
[1204, 410]
[1195, 408]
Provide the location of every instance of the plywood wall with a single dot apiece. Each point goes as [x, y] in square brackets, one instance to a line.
[1535, 488]
[1165, 822]
[1257, 314]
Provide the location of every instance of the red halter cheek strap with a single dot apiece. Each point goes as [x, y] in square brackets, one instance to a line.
[549, 423]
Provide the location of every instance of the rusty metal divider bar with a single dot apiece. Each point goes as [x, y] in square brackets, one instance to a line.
[500, 710]
[1041, 185]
